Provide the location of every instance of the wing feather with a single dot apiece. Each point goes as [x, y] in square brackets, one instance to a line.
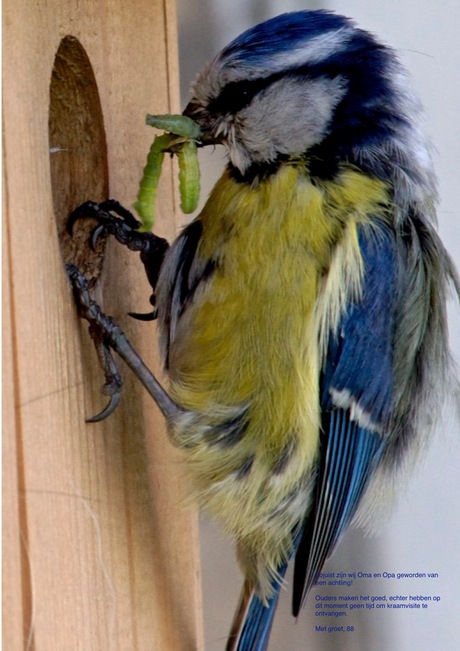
[357, 393]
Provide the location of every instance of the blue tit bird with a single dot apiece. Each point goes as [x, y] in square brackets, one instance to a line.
[302, 313]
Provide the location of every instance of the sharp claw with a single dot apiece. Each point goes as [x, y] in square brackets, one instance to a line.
[112, 219]
[80, 211]
[107, 411]
[144, 316]
[95, 235]
[71, 221]
[108, 336]
[99, 330]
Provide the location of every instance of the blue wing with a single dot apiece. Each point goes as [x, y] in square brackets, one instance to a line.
[357, 397]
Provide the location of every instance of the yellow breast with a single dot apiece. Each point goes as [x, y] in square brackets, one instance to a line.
[249, 345]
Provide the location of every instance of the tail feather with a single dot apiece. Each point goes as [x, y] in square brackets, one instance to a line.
[253, 619]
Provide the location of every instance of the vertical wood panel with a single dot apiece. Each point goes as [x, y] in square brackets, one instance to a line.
[109, 556]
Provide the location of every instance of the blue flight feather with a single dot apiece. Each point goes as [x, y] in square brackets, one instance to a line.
[351, 456]
[255, 632]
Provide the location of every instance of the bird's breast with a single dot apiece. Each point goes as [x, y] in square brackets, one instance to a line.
[245, 363]
[249, 334]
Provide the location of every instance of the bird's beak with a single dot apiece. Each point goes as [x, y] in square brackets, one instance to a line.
[195, 113]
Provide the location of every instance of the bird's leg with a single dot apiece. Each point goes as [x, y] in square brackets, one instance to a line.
[108, 336]
[240, 616]
[116, 220]
[113, 382]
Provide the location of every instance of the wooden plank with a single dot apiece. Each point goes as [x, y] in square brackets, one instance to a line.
[15, 576]
[111, 549]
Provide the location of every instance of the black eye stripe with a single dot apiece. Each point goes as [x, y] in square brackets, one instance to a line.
[238, 94]
[233, 97]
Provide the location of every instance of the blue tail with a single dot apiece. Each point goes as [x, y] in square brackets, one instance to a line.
[253, 620]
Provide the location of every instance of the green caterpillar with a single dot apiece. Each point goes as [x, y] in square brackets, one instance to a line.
[181, 139]
[189, 176]
[180, 125]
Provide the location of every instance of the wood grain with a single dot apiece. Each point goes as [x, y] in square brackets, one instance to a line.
[100, 551]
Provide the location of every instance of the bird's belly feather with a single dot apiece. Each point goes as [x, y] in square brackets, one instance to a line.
[245, 363]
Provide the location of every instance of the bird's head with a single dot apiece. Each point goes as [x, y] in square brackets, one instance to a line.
[311, 84]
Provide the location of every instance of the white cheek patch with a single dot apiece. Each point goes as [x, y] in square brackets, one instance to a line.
[289, 117]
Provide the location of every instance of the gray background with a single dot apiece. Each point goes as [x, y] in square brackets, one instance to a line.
[423, 530]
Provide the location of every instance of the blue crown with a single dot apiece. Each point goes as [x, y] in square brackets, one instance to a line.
[283, 33]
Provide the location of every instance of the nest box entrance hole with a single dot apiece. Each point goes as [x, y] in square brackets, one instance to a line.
[78, 152]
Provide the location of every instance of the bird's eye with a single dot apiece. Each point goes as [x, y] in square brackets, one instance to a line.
[234, 96]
